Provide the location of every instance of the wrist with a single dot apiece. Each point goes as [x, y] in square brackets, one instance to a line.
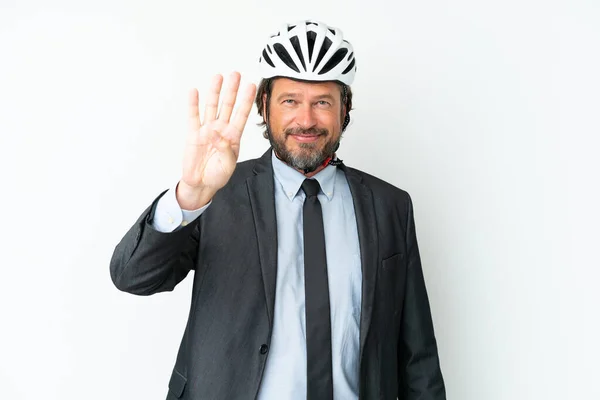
[192, 198]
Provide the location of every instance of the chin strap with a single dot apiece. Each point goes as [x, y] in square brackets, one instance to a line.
[328, 161]
[337, 162]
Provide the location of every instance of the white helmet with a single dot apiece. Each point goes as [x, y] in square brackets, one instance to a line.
[311, 51]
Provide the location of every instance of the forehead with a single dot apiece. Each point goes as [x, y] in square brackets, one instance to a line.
[285, 85]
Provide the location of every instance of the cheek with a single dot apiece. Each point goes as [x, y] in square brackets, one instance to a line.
[281, 120]
[330, 121]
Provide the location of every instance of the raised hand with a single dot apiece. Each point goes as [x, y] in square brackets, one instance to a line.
[213, 145]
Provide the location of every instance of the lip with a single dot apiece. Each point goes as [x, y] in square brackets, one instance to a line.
[305, 138]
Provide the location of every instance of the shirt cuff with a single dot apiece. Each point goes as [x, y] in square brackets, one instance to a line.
[168, 215]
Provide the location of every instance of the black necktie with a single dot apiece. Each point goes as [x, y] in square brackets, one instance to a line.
[318, 321]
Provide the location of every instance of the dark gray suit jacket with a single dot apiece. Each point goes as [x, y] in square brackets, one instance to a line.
[232, 248]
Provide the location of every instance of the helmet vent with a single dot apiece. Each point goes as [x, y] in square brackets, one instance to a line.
[326, 45]
[334, 61]
[311, 37]
[285, 56]
[296, 44]
[267, 59]
[349, 67]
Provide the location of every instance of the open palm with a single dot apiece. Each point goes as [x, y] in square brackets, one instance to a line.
[213, 145]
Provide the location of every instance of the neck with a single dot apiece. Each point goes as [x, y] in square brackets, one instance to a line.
[316, 171]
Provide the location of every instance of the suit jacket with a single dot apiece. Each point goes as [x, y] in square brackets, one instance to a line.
[232, 247]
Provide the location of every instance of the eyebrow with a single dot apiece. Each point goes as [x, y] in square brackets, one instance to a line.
[287, 94]
[296, 95]
[325, 96]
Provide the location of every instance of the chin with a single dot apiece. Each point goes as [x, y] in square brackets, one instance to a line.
[304, 148]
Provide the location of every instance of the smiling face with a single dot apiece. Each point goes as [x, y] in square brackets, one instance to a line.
[305, 121]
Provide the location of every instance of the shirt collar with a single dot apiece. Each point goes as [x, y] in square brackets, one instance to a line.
[291, 180]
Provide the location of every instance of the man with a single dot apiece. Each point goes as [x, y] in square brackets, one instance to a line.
[308, 282]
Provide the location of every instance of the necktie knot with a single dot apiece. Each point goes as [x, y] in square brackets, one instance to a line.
[311, 187]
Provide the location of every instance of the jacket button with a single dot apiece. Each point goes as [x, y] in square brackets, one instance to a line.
[263, 349]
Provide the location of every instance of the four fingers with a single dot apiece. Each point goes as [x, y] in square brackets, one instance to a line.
[230, 98]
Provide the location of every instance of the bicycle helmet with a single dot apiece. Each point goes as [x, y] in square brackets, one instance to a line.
[310, 51]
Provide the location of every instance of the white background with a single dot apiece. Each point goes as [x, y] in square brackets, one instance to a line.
[486, 112]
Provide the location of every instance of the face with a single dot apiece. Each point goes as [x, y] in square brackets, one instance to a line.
[305, 120]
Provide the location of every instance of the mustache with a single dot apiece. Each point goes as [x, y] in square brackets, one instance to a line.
[302, 131]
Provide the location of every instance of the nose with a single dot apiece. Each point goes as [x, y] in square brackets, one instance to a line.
[306, 117]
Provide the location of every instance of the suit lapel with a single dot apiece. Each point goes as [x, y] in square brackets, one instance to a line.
[262, 200]
[367, 236]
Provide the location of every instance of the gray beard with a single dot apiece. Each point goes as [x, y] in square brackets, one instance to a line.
[310, 157]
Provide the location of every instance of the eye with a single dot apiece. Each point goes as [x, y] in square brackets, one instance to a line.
[289, 101]
[323, 103]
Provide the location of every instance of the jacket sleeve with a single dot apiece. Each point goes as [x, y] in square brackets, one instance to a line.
[147, 261]
[420, 376]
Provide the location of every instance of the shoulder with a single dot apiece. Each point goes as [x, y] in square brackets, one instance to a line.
[385, 195]
[378, 186]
